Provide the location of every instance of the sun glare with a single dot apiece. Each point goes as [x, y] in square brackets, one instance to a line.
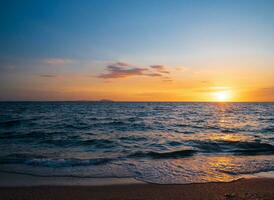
[222, 96]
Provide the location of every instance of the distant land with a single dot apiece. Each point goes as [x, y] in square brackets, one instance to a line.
[106, 100]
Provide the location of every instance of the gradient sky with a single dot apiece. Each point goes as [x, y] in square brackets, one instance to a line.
[129, 50]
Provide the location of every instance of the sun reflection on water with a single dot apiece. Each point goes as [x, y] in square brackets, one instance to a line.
[220, 164]
[213, 168]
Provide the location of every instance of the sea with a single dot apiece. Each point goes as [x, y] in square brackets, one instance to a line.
[154, 142]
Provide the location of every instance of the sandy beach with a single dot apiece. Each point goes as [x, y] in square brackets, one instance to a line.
[256, 188]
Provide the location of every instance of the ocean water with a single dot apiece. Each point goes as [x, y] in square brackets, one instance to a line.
[153, 142]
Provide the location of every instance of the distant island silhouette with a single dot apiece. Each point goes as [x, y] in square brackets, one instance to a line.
[106, 100]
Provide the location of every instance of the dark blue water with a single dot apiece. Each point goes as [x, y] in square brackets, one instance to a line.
[154, 142]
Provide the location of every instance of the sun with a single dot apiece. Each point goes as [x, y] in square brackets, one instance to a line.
[222, 96]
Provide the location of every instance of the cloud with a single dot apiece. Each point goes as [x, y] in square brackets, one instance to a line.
[160, 69]
[57, 61]
[167, 80]
[48, 75]
[116, 71]
[122, 64]
[205, 82]
[181, 68]
[153, 74]
[269, 89]
[123, 70]
[265, 93]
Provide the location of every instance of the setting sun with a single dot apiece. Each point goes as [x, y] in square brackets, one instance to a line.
[222, 96]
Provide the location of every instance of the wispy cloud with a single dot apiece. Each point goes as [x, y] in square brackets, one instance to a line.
[123, 70]
[205, 82]
[123, 64]
[57, 61]
[116, 71]
[265, 93]
[154, 74]
[167, 79]
[160, 69]
[48, 75]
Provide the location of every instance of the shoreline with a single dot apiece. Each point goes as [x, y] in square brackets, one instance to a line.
[13, 179]
[17, 179]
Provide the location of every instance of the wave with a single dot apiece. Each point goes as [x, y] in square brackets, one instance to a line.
[18, 158]
[113, 123]
[250, 167]
[31, 134]
[37, 160]
[46, 162]
[97, 142]
[72, 142]
[235, 147]
[174, 143]
[267, 130]
[165, 155]
[254, 148]
[14, 123]
[133, 138]
[189, 126]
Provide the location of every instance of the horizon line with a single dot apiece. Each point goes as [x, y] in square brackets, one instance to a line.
[120, 101]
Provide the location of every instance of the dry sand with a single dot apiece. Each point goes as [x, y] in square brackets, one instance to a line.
[249, 189]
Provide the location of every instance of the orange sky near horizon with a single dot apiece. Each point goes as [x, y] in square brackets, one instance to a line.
[174, 83]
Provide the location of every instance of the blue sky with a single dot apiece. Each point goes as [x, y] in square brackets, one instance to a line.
[93, 29]
[168, 32]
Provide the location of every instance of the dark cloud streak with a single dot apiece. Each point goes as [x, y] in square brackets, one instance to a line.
[48, 75]
[116, 71]
[160, 69]
[123, 70]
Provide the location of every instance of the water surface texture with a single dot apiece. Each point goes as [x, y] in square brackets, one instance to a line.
[153, 142]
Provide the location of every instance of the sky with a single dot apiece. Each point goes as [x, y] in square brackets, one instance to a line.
[128, 50]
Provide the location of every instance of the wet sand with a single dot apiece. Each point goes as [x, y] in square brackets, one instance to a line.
[250, 189]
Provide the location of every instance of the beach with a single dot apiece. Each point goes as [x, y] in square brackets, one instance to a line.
[254, 188]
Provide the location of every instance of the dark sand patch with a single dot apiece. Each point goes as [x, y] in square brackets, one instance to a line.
[250, 189]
